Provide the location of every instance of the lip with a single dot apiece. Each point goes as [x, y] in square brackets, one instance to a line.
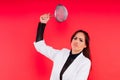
[75, 45]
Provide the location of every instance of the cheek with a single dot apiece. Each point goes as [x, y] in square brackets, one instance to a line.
[73, 44]
[81, 45]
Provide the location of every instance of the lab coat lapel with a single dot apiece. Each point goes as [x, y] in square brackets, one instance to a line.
[71, 70]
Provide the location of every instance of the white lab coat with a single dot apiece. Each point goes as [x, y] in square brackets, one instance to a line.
[78, 70]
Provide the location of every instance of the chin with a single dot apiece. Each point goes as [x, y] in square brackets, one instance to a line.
[76, 50]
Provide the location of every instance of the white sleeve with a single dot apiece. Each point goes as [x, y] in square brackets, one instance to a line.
[84, 73]
[48, 51]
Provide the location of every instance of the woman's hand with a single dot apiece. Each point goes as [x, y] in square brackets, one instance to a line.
[44, 18]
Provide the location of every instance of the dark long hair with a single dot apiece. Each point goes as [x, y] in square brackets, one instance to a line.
[86, 51]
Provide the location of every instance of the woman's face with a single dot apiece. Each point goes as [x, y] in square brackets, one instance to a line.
[78, 43]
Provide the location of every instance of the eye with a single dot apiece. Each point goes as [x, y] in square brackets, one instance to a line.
[81, 40]
[75, 38]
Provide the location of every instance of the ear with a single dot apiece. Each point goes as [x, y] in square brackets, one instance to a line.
[85, 46]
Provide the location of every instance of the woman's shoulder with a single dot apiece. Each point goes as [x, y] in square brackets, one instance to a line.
[65, 50]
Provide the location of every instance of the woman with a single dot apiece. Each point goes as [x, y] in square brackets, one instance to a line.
[68, 64]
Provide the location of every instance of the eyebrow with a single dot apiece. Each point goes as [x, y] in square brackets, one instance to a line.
[79, 38]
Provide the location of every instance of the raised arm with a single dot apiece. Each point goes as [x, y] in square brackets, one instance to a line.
[41, 26]
[39, 43]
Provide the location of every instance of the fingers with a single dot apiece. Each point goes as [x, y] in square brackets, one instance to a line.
[45, 17]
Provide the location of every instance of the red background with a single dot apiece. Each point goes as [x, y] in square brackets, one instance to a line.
[18, 24]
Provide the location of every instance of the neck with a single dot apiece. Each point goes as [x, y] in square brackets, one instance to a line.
[76, 52]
